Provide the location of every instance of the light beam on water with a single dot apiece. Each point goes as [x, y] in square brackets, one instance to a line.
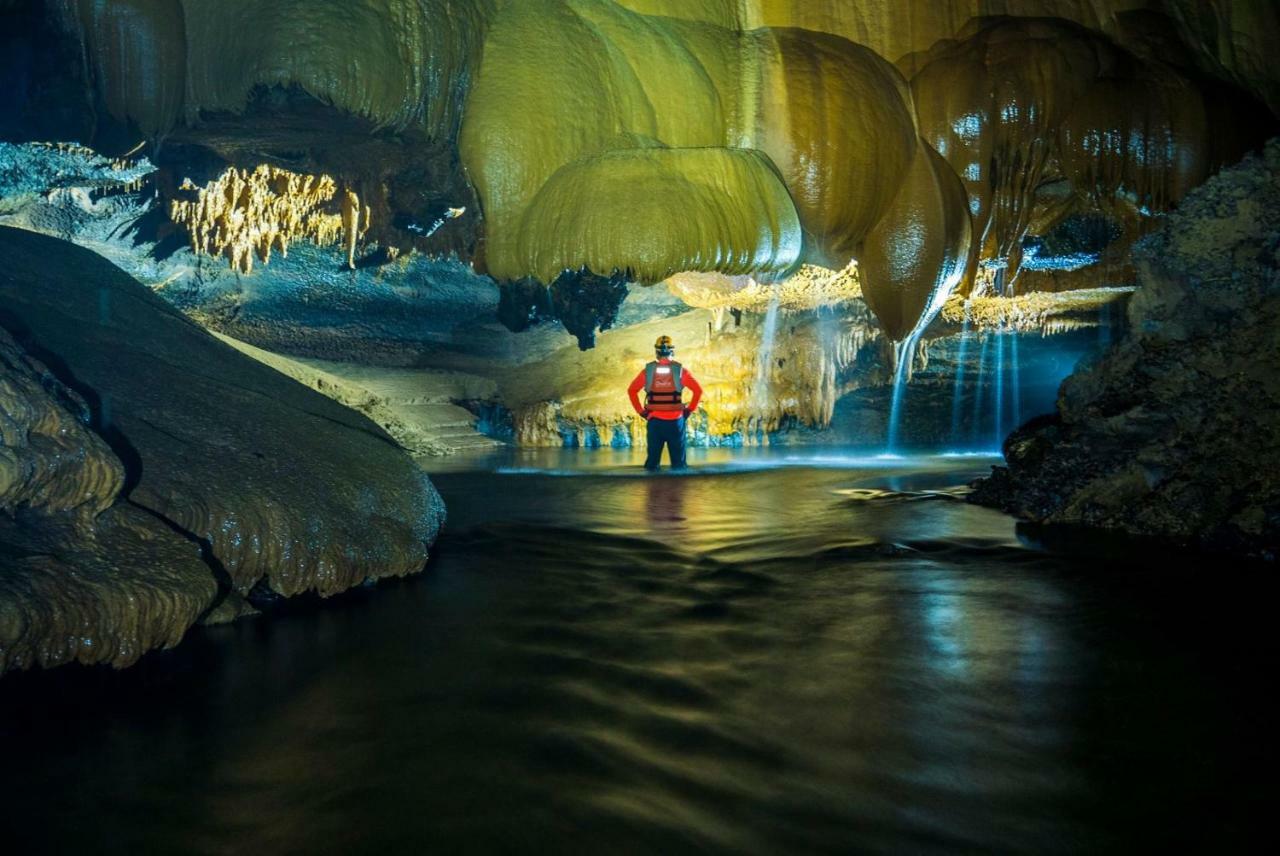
[976, 427]
[1016, 381]
[998, 420]
[958, 396]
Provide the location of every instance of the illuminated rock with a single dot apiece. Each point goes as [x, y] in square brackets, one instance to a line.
[83, 579]
[646, 138]
[746, 395]
[681, 148]
[50, 461]
[245, 214]
[1040, 312]
[1236, 38]
[810, 287]
[1143, 134]
[916, 255]
[575, 100]
[281, 487]
[162, 62]
[629, 210]
[1016, 105]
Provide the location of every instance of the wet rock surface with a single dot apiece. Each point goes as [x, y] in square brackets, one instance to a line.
[80, 577]
[1173, 433]
[207, 452]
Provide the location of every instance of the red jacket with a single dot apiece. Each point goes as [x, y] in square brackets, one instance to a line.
[687, 380]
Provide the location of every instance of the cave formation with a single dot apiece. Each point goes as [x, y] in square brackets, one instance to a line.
[981, 301]
[266, 266]
[883, 182]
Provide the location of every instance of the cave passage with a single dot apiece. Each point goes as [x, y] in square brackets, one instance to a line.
[329, 513]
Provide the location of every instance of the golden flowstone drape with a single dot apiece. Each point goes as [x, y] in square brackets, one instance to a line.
[736, 136]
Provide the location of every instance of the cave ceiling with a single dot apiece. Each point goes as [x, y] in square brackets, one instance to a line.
[641, 139]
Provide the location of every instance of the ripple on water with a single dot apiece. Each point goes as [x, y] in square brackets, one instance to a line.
[791, 659]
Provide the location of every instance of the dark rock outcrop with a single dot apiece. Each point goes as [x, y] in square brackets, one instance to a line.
[81, 578]
[200, 471]
[1175, 432]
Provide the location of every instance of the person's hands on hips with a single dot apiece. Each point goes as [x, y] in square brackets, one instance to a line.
[645, 415]
[687, 413]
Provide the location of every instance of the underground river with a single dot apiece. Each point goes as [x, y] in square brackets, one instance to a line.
[788, 652]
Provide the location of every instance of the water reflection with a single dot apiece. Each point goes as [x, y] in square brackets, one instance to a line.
[664, 508]
[762, 660]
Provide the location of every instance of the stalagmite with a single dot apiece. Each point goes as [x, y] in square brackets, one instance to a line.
[355, 222]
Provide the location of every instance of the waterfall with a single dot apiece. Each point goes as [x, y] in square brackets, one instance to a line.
[764, 371]
[976, 427]
[998, 419]
[904, 353]
[958, 395]
[1016, 381]
[770, 333]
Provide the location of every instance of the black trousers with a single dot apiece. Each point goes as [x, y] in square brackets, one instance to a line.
[669, 433]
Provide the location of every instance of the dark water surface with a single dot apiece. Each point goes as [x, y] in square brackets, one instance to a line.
[765, 656]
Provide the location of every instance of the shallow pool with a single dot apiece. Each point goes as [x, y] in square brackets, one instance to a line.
[773, 653]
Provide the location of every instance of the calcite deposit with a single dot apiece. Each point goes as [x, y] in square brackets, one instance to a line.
[641, 139]
[246, 215]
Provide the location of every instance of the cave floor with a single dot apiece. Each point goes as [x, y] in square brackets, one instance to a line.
[775, 652]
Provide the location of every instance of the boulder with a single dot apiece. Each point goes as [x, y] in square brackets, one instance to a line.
[148, 455]
[1175, 432]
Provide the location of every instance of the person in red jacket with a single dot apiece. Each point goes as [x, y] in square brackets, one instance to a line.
[664, 382]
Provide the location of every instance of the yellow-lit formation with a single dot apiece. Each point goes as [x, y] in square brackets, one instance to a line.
[1015, 106]
[1039, 312]
[801, 377]
[739, 137]
[683, 146]
[162, 62]
[245, 214]
[810, 287]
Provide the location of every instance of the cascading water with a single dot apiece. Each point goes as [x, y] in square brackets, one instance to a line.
[978, 386]
[958, 395]
[764, 371]
[997, 420]
[1015, 380]
[904, 353]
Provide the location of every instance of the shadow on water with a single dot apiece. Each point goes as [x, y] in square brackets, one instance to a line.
[784, 658]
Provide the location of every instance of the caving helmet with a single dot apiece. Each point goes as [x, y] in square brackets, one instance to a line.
[664, 346]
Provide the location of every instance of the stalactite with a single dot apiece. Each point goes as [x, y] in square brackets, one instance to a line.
[245, 214]
[1038, 312]
[810, 287]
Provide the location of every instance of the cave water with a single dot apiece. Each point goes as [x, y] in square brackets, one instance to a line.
[325, 333]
